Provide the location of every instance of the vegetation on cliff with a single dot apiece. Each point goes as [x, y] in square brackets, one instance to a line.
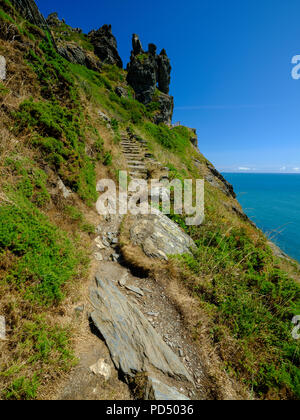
[51, 131]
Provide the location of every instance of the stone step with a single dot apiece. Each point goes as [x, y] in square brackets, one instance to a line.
[137, 168]
[134, 155]
[137, 162]
[140, 170]
[134, 151]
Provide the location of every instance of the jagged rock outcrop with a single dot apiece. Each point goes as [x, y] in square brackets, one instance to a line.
[135, 347]
[163, 72]
[159, 236]
[53, 20]
[30, 11]
[228, 187]
[148, 72]
[105, 45]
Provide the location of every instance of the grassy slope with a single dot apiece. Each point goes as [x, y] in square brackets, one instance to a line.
[246, 294]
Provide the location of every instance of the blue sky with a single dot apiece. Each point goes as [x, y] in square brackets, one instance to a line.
[231, 75]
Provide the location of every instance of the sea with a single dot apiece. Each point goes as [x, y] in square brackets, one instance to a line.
[272, 201]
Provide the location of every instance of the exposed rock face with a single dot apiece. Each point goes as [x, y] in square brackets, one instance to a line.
[134, 345]
[228, 187]
[106, 46]
[76, 55]
[142, 76]
[2, 68]
[30, 11]
[163, 72]
[53, 20]
[159, 236]
[166, 109]
[147, 72]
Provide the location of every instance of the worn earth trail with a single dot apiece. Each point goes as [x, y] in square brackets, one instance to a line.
[130, 326]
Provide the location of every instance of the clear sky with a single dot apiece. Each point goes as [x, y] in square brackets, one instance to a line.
[231, 76]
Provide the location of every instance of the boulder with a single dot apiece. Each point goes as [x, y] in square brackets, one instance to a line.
[158, 236]
[101, 368]
[2, 68]
[105, 45]
[2, 328]
[121, 92]
[158, 391]
[64, 190]
[135, 347]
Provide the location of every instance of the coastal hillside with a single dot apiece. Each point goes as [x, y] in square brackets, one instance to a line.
[123, 306]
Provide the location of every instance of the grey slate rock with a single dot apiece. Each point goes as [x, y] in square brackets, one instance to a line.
[159, 236]
[2, 328]
[158, 391]
[134, 289]
[2, 68]
[134, 345]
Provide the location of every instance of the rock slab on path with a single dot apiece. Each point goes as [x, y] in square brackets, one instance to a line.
[158, 391]
[159, 236]
[134, 345]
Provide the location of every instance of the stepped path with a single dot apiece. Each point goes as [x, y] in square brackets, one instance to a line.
[130, 331]
[134, 152]
[138, 157]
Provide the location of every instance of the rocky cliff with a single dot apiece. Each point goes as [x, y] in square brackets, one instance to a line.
[150, 75]
[30, 11]
[123, 306]
[105, 45]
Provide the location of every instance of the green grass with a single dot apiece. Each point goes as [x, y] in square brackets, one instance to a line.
[176, 140]
[36, 348]
[250, 299]
[3, 90]
[44, 258]
[57, 132]
[66, 33]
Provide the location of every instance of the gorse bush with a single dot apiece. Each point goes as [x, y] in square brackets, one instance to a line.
[44, 258]
[53, 73]
[57, 132]
[31, 182]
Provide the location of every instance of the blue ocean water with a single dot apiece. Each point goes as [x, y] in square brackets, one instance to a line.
[272, 201]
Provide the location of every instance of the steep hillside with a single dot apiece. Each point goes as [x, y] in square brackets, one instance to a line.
[70, 116]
